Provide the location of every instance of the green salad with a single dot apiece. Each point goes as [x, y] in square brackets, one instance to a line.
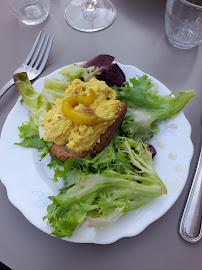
[98, 190]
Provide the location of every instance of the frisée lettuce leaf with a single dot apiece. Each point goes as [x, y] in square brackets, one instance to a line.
[29, 133]
[97, 191]
[146, 108]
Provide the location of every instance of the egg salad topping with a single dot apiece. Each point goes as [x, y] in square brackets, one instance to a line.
[81, 137]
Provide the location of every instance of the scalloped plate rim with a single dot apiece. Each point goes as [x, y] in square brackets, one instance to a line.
[14, 200]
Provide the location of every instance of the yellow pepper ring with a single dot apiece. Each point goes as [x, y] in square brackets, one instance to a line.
[81, 118]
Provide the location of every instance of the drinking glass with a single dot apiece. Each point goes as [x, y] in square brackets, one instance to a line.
[30, 12]
[183, 23]
[90, 15]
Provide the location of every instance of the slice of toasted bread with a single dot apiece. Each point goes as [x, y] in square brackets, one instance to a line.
[63, 152]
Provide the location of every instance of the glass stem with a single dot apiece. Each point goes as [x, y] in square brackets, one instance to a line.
[89, 12]
[91, 5]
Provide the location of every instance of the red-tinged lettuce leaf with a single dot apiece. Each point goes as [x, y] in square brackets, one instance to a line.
[100, 67]
[112, 75]
[105, 70]
[99, 61]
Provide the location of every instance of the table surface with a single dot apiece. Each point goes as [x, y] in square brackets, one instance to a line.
[137, 37]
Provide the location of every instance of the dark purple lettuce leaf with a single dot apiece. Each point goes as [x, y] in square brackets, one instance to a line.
[112, 75]
[152, 150]
[99, 61]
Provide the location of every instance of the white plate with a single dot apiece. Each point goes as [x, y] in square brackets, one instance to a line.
[28, 180]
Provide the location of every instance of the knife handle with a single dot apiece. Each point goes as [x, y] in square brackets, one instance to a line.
[190, 224]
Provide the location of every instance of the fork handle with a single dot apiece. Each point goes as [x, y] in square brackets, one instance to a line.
[6, 87]
[190, 225]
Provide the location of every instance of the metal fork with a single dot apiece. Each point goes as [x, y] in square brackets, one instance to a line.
[35, 61]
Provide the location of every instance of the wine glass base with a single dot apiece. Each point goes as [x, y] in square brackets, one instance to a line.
[95, 18]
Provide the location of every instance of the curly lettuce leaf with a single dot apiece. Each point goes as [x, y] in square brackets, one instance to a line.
[97, 193]
[28, 128]
[33, 142]
[146, 108]
[29, 132]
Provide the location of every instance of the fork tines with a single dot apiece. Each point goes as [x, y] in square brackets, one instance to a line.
[39, 53]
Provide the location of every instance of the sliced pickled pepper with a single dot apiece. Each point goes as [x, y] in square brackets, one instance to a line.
[78, 117]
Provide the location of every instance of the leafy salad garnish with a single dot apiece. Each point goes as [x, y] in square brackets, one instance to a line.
[100, 67]
[98, 190]
[101, 189]
[31, 97]
[29, 132]
[146, 108]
